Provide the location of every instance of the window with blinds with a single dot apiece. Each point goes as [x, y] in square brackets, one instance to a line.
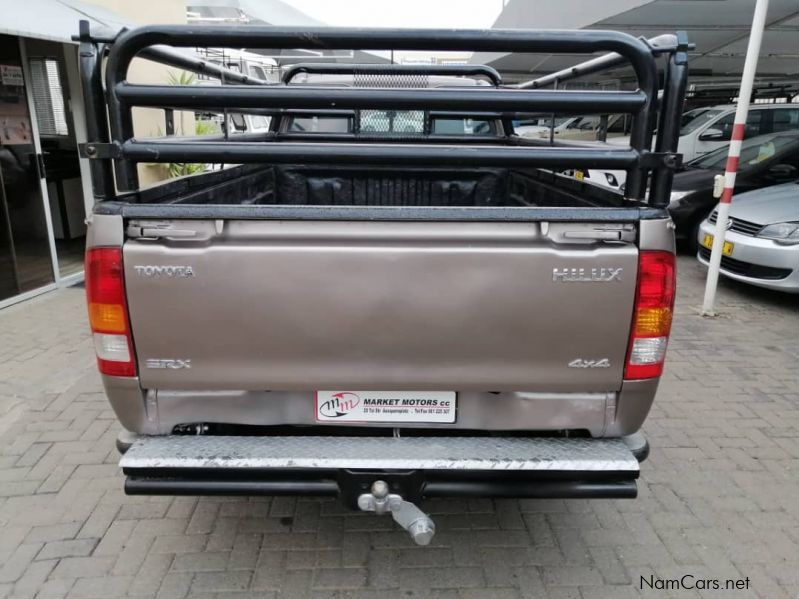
[48, 97]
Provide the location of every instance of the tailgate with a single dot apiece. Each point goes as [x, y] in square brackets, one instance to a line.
[291, 305]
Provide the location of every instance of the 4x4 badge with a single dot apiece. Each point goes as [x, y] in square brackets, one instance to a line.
[582, 363]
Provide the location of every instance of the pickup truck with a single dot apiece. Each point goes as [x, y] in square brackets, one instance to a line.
[389, 296]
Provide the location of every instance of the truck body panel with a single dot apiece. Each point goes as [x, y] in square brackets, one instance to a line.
[489, 307]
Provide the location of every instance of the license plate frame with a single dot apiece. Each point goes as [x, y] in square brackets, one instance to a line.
[727, 248]
[386, 407]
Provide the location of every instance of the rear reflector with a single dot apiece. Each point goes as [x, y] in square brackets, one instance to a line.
[111, 347]
[108, 313]
[654, 304]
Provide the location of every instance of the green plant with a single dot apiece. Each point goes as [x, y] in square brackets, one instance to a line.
[206, 127]
[181, 169]
[181, 78]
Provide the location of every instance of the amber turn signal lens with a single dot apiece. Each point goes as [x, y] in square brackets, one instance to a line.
[653, 322]
[107, 318]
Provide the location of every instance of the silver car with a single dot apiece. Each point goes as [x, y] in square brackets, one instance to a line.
[761, 246]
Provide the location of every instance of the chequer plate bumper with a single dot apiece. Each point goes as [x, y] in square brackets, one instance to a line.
[409, 453]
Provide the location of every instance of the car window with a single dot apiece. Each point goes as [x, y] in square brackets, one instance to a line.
[543, 121]
[260, 122]
[320, 124]
[461, 126]
[584, 123]
[239, 124]
[785, 119]
[693, 119]
[754, 152]
[754, 121]
[257, 71]
[618, 124]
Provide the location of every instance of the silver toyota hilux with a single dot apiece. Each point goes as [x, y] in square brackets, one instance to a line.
[389, 296]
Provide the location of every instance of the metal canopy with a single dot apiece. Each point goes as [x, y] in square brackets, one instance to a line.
[58, 21]
[278, 13]
[719, 28]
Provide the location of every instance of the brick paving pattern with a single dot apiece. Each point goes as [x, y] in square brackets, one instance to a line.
[719, 495]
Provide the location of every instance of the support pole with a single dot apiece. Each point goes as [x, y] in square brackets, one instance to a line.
[739, 127]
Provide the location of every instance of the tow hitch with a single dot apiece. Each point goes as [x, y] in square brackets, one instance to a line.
[418, 524]
[385, 474]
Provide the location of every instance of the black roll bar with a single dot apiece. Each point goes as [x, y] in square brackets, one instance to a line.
[325, 97]
[378, 154]
[671, 106]
[130, 43]
[91, 65]
[255, 95]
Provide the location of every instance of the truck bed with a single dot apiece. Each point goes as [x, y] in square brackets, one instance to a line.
[368, 185]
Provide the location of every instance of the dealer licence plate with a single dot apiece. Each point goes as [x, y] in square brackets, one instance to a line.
[726, 250]
[386, 406]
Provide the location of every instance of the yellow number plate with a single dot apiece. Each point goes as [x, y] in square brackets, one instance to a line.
[707, 241]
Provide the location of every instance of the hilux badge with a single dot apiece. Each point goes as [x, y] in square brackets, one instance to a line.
[586, 275]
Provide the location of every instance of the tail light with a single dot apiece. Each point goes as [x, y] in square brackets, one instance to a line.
[654, 303]
[108, 312]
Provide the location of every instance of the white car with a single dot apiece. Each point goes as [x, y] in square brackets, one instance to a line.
[706, 129]
[581, 128]
[761, 245]
[538, 127]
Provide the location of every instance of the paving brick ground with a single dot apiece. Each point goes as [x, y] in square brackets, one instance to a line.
[719, 496]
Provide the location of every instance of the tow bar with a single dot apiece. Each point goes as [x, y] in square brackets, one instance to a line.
[384, 474]
[418, 524]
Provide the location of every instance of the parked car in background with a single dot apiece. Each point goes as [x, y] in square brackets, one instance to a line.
[534, 127]
[766, 160]
[706, 129]
[761, 245]
[581, 128]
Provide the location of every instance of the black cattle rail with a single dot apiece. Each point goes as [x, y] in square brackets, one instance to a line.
[112, 139]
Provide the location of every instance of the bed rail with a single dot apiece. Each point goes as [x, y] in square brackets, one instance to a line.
[115, 140]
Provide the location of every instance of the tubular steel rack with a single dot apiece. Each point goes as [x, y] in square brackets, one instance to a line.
[112, 141]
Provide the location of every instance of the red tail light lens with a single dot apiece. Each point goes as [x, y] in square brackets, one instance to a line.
[108, 312]
[654, 304]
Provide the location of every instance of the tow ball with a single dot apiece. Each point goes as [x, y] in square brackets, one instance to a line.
[418, 524]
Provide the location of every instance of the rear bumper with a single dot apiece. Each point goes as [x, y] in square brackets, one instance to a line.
[609, 414]
[415, 467]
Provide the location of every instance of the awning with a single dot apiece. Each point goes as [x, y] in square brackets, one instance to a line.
[57, 20]
[719, 28]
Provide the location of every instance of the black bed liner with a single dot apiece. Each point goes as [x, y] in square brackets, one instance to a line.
[302, 192]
